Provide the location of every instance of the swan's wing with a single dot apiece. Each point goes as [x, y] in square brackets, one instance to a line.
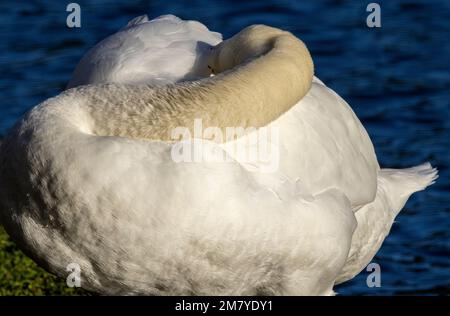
[166, 49]
[137, 20]
[320, 144]
[324, 145]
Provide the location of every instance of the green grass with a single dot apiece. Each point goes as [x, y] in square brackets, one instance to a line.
[19, 275]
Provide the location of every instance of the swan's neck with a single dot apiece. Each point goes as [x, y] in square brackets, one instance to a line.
[263, 73]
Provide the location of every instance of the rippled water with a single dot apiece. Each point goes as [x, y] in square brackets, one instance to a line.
[395, 77]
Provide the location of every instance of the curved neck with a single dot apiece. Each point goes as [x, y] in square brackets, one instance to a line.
[271, 70]
[263, 72]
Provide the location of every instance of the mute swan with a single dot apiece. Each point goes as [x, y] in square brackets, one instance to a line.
[87, 177]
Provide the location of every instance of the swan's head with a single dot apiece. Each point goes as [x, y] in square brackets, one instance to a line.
[253, 41]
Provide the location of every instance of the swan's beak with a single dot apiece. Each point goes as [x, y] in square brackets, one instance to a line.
[212, 59]
[211, 71]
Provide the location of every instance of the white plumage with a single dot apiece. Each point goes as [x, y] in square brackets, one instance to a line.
[174, 46]
[139, 223]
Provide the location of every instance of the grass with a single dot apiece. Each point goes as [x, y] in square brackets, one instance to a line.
[19, 275]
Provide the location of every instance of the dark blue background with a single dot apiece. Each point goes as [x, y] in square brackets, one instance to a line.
[395, 77]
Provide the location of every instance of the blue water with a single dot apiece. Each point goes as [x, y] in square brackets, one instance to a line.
[395, 77]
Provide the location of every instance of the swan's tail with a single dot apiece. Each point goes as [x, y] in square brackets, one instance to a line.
[375, 219]
[401, 183]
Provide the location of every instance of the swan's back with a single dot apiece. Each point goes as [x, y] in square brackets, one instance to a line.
[164, 50]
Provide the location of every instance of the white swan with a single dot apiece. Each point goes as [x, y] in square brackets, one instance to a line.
[87, 177]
